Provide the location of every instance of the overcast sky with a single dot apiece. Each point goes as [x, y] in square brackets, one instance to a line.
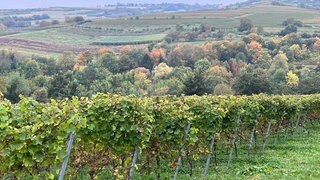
[18, 4]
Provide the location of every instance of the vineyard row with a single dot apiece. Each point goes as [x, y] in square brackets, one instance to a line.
[125, 133]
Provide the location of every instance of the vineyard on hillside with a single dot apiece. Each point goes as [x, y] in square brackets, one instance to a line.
[125, 135]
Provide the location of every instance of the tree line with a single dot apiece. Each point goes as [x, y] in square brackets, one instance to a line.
[256, 64]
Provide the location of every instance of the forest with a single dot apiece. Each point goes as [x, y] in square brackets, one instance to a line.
[284, 64]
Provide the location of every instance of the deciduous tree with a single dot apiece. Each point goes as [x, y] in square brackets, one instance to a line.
[245, 25]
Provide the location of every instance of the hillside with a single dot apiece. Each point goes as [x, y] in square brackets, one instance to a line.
[152, 27]
[17, 4]
[160, 91]
[312, 4]
[259, 49]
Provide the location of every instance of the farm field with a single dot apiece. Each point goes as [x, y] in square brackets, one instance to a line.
[55, 36]
[152, 27]
[55, 13]
[27, 52]
[261, 15]
[53, 40]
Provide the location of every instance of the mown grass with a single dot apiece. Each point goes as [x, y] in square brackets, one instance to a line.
[298, 157]
[30, 52]
[5, 33]
[56, 37]
[124, 39]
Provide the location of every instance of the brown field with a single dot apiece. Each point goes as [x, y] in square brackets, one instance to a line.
[41, 46]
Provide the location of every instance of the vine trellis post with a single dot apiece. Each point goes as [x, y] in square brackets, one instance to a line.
[66, 158]
[181, 151]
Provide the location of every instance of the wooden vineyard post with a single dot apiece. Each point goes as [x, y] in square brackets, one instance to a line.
[298, 120]
[303, 122]
[251, 141]
[158, 166]
[66, 159]
[288, 124]
[266, 136]
[181, 151]
[209, 155]
[278, 131]
[233, 142]
[133, 162]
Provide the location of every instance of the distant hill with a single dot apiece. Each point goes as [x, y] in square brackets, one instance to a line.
[298, 3]
[244, 3]
[22, 4]
[310, 4]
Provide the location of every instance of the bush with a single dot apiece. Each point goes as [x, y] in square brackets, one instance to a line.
[44, 23]
[288, 30]
[55, 22]
[306, 35]
[75, 19]
[245, 25]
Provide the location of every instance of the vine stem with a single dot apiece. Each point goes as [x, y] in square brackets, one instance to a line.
[66, 159]
[181, 150]
[288, 124]
[158, 166]
[209, 155]
[233, 142]
[298, 120]
[303, 125]
[266, 137]
[278, 132]
[133, 162]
